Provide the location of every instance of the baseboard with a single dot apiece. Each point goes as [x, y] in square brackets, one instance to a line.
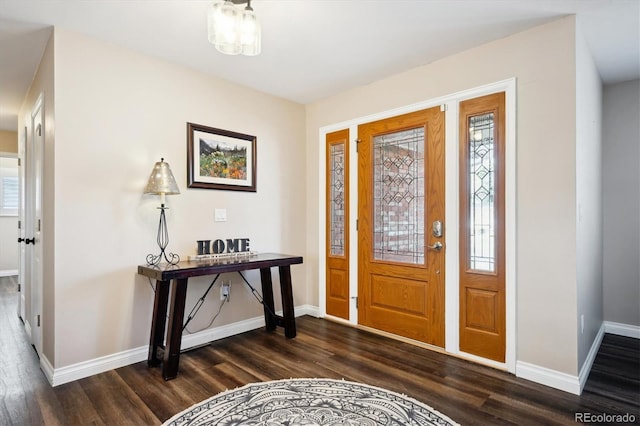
[46, 368]
[8, 272]
[70, 373]
[558, 380]
[84, 369]
[548, 377]
[622, 329]
[591, 357]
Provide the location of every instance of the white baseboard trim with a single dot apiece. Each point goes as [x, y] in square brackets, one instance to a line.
[591, 357]
[70, 373]
[84, 369]
[8, 272]
[622, 329]
[558, 380]
[46, 368]
[548, 377]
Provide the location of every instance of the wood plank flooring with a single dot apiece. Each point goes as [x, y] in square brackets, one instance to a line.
[469, 393]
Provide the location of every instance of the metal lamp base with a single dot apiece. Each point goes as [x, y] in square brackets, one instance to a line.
[163, 241]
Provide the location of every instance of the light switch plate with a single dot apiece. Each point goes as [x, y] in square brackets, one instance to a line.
[220, 215]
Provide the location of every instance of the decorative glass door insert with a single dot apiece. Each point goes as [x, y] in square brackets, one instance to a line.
[337, 199]
[399, 199]
[481, 180]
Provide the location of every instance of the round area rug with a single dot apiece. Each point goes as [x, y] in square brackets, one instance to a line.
[309, 402]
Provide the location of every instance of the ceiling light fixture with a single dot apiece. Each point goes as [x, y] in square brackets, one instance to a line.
[233, 31]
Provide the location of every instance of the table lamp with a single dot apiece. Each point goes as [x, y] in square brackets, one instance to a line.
[161, 182]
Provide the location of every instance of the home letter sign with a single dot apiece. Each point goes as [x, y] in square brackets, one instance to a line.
[235, 245]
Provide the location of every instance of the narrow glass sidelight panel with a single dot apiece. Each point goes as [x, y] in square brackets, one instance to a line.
[337, 199]
[399, 196]
[481, 180]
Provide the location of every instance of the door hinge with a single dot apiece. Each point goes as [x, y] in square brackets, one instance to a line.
[19, 224]
[38, 317]
[358, 143]
[39, 229]
[19, 287]
[356, 224]
[356, 297]
[443, 107]
[19, 162]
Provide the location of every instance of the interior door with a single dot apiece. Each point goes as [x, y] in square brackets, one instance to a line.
[33, 227]
[337, 226]
[401, 225]
[22, 161]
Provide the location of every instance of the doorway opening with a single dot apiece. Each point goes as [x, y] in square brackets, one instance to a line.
[437, 232]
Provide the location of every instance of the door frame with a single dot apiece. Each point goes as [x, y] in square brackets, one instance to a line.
[452, 214]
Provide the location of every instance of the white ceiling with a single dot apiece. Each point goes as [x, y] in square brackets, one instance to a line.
[310, 48]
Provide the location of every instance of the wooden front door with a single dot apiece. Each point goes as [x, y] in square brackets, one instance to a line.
[401, 225]
[482, 227]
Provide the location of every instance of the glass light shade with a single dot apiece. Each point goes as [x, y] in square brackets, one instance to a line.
[212, 13]
[161, 180]
[250, 37]
[223, 27]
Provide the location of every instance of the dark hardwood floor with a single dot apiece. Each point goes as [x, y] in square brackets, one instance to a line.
[468, 393]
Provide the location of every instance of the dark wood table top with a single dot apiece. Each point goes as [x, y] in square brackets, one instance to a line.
[187, 269]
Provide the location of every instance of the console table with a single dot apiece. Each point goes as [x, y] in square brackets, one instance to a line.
[176, 276]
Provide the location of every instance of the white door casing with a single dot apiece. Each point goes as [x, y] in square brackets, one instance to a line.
[450, 103]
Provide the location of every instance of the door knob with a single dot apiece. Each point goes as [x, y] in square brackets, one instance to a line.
[30, 241]
[437, 246]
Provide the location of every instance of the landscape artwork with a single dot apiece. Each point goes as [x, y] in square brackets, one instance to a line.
[220, 159]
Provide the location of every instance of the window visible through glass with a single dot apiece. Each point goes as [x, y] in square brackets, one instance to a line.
[399, 198]
[481, 180]
[9, 191]
[337, 199]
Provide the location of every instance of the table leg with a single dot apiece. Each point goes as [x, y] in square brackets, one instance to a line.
[158, 321]
[267, 299]
[174, 335]
[287, 301]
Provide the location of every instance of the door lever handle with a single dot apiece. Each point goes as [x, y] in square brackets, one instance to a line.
[437, 246]
[30, 241]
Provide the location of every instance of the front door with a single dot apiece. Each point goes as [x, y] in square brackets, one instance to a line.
[401, 225]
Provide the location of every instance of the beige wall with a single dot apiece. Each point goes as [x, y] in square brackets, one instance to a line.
[546, 170]
[588, 199]
[117, 113]
[8, 141]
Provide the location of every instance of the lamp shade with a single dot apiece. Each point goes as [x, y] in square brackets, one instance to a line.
[161, 181]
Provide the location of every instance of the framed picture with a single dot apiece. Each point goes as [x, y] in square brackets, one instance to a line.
[220, 159]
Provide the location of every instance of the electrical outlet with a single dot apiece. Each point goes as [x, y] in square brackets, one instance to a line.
[225, 291]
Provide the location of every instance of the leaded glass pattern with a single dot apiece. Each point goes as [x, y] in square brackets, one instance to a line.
[399, 196]
[482, 208]
[337, 199]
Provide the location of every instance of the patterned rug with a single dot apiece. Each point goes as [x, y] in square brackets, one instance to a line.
[309, 402]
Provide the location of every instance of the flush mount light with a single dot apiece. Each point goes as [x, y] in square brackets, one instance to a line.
[232, 30]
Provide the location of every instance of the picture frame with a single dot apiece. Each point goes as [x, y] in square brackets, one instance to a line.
[220, 159]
